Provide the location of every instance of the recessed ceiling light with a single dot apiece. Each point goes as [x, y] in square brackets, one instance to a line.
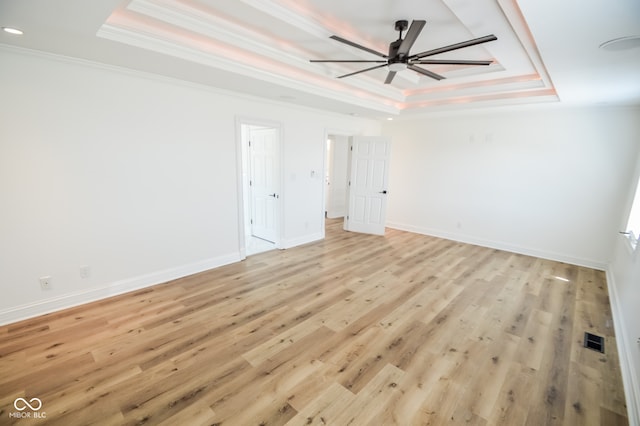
[621, 43]
[389, 118]
[13, 31]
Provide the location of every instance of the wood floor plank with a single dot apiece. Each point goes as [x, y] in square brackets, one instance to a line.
[401, 329]
[583, 386]
[403, 407]
[549, 397]
[368, 404]
[534, 345]
[481, 396]
[511, 407]
[327, 406]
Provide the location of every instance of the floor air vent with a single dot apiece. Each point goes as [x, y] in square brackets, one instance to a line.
[594, 342]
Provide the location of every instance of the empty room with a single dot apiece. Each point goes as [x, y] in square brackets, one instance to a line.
[269, 212]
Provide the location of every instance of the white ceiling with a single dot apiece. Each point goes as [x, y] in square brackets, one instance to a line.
[547, 51]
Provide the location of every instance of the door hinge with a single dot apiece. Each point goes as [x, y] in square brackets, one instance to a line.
[250, 183]
[249, 143]
[351, 147]
[251, 221]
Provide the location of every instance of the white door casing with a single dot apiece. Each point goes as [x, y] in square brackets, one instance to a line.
[263, 182]
[368, 180]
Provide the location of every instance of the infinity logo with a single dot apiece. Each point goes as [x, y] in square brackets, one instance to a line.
[35, 407]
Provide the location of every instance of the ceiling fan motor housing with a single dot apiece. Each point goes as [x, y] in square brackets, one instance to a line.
[394, 57]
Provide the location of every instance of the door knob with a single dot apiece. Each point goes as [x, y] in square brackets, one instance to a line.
[272, 195]
[383, 192]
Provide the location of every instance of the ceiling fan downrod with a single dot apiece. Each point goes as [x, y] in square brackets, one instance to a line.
[401, 26]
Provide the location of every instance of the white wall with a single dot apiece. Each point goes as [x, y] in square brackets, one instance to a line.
[133, 175]
[545, 182]
[624, 288]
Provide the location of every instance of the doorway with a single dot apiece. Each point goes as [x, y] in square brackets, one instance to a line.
[356, 180]
[336, 176]
[261, 183]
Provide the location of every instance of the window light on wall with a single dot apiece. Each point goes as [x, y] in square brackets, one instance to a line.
[633, 225]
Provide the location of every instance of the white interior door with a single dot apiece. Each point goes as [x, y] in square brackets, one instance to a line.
[368, 178]
[263, 182]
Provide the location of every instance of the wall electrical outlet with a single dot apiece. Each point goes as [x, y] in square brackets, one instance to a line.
[85, 272]
[45, 282]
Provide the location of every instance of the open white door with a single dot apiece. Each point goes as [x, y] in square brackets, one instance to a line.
[368, 178]
[263, 182]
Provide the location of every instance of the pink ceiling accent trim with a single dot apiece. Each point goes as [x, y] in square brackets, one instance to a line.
[484, 83]
[551, 93]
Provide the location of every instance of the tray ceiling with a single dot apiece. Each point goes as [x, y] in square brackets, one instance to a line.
[263, 47]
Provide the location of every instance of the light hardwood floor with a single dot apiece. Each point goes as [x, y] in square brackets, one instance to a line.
[354, 330]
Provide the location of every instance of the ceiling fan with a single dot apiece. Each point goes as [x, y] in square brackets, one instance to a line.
[399, 58]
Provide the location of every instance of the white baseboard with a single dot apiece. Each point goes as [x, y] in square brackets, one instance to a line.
[629, 375]
[69, 300]
[500, 246]
[306, 239]
[334, 214]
